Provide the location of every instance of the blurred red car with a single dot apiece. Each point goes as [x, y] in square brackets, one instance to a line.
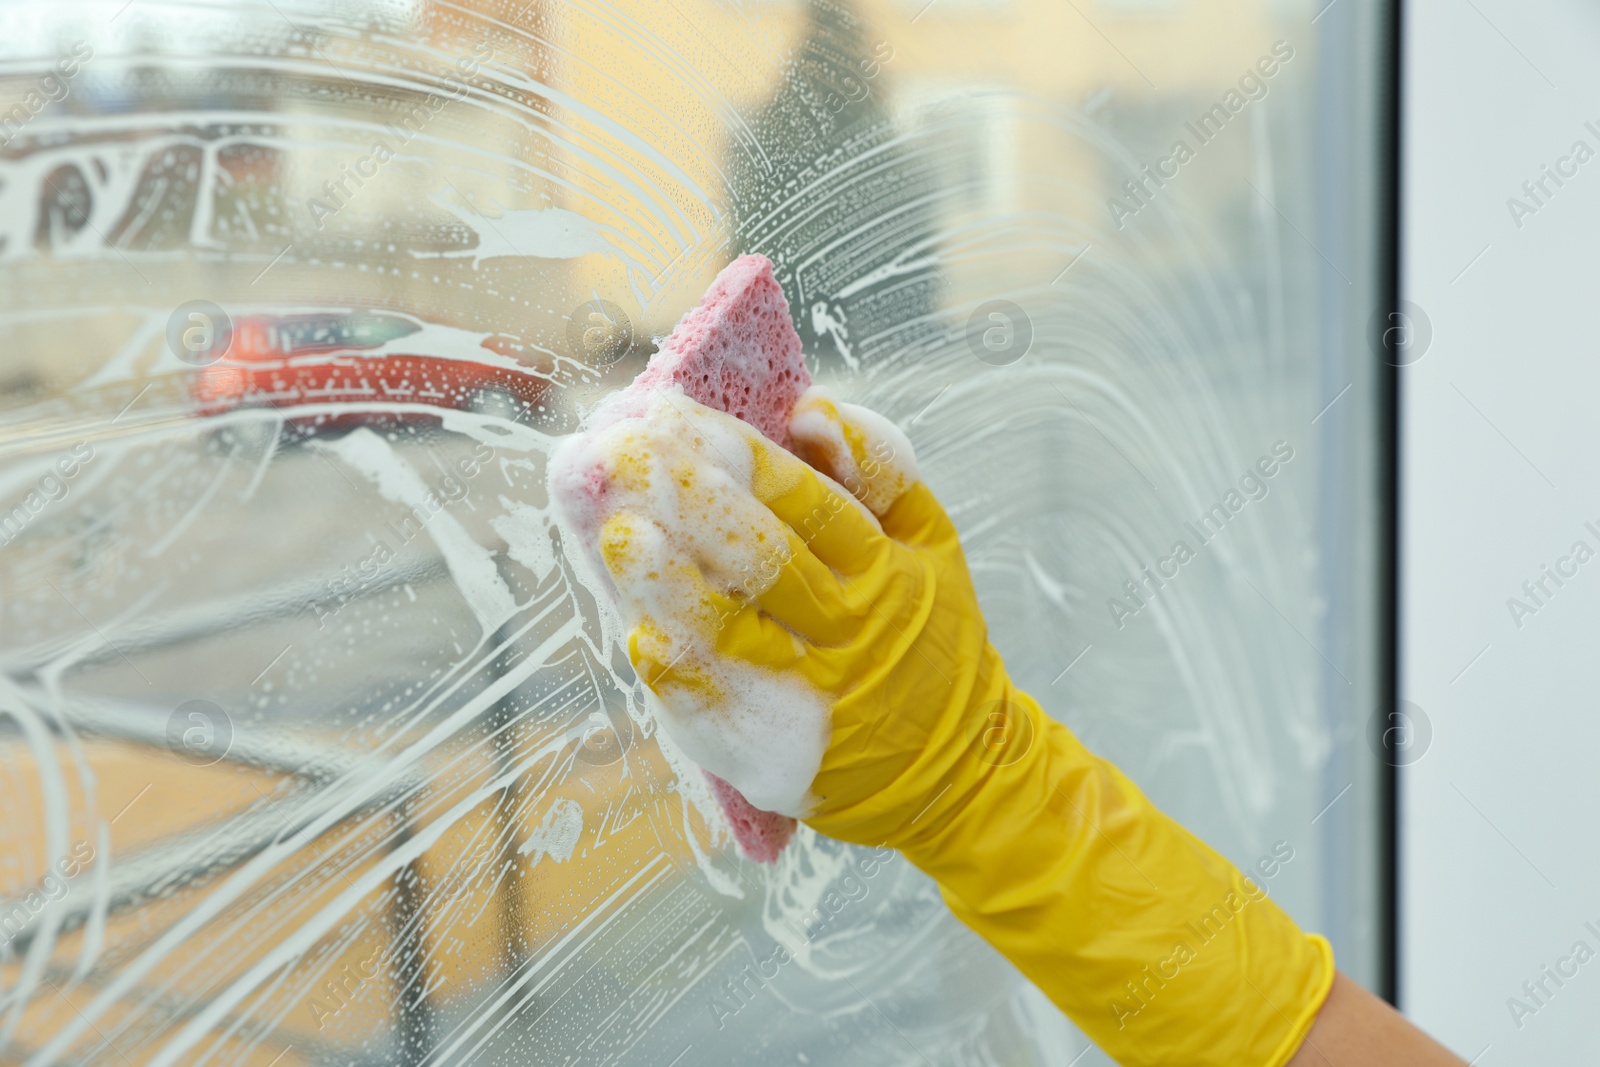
[288, 361]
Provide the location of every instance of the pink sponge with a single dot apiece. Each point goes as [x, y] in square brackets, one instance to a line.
[761, 834]
[737, 352]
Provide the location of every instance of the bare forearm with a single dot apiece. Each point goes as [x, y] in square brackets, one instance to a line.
[1356, 1029]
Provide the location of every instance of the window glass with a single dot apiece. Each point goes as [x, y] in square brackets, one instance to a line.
[313, 751]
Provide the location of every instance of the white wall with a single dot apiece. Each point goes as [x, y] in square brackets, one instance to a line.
[1500, 860]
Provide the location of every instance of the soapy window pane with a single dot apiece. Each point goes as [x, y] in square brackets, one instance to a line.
[312, 749]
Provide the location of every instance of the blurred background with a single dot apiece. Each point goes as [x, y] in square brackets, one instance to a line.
[311, 748]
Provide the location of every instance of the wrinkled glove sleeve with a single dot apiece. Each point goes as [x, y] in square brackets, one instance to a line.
[1157, 947]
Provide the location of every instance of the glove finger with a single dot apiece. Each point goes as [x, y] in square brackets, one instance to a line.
[663, 666]
[917, 518]
[837, 530]
[841, 534]
[746, 548]
[677, 657]
[870, 456]
[761, 560]
[858, 448]
[716, 546]
[808, 597]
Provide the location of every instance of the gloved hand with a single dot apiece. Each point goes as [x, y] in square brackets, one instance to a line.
[857, 634]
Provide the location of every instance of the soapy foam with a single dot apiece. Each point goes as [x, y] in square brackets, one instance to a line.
[736, 351]
[870, 456]
[661, 503]
[686, 544]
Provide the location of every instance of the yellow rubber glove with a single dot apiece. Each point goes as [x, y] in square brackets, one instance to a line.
[1157, 947]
